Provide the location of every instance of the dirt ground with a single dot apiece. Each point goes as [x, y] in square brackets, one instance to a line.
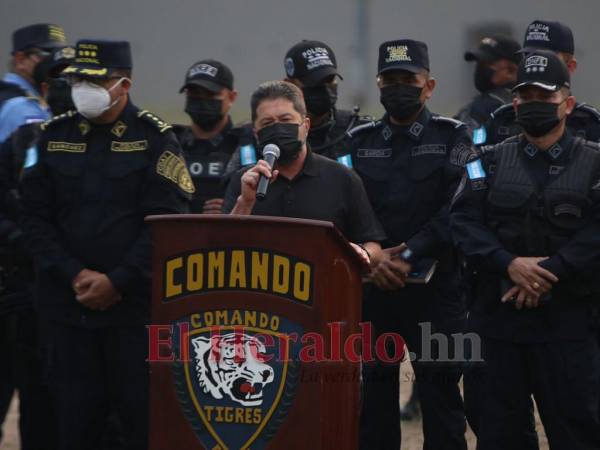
[411, 431]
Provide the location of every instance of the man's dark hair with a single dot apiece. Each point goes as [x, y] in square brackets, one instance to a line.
[272, 90]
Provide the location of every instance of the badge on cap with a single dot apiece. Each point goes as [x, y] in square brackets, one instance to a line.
[203, 69]
[538, 32]
[398, 53]
[316, 57]
[536, 63]
[289, 67]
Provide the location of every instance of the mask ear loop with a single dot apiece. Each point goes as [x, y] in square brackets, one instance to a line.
[114, 86]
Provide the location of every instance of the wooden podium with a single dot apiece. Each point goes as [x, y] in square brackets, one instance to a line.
[250, 316]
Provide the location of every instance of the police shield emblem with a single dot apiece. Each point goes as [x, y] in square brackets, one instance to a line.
[235, 375]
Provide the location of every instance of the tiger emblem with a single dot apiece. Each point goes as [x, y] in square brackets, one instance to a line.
[232, 365]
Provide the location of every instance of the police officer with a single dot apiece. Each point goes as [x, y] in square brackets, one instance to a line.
[496, 62]
[96, 174]
[209, 142]
[24, 368]
[584, 120]
[312, 66]
[20, 100]
[411, 162]
[527, 216]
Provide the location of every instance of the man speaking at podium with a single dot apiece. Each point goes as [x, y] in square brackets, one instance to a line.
[303, 184]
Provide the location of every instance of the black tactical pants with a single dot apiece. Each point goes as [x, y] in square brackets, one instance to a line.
[426, 322]
[96, 371]
[564, 379]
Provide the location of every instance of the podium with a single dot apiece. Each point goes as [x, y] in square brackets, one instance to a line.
[253, 341]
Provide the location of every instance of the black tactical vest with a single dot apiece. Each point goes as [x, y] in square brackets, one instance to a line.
[530, 220]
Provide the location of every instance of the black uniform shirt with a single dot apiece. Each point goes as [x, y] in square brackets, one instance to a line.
[487, 243]
[86, 191]
[207, 160]
[410, 174]
[323, 190]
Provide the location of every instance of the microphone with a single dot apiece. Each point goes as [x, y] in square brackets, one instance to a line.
[270, 154]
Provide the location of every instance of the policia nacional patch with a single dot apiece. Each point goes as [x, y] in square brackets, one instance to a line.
[173, 168]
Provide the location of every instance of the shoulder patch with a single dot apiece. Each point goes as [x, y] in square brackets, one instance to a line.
[475, 169]
[455, 123]
[587, 110]
[173, 168]
[364, 127]
[154, 120]
[56, 119]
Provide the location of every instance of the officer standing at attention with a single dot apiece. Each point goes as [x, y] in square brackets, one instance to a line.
[584, 120]
[20, 100]
[97, 173]
[312, 66]
[24, 367]
[496, 62]
[209, 142]
[527, 217]
[411, 162]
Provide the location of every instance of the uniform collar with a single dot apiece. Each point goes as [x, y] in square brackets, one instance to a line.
[560, 148]
[117, 127]
[14, 78]
[414, 131]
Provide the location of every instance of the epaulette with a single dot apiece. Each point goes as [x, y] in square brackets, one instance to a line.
[502, 110]
[57, 119]
[587, 109]
[493, 147]
[154, 120]
[450, 120]
[364, 127]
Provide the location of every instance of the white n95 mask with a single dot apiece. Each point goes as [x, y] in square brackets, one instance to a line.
[90, 99]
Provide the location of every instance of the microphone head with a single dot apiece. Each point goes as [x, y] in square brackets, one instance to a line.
[271, 149]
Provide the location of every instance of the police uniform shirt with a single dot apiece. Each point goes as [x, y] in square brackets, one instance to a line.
[207, 160]
[410, 173]
[86, 191]
[476, 113]
[481, 227]
[21, 109]
[584, 122]
[328, 139]
[323, 190]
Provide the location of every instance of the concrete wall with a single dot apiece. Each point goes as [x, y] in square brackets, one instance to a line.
[252, 36]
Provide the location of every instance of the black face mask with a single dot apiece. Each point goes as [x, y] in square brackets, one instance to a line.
[401, 101]
[320, 99]
[483, 78]
[59, 96]
[284, 136]
[538, 118]
[206, 113]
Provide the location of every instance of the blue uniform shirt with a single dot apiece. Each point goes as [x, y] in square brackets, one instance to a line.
[18, 111]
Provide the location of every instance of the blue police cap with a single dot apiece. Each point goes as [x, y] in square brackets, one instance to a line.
[98, 59]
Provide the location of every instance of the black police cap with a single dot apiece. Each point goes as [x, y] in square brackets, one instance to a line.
[44, 36]
[403, 54]
[311, 62]
[548, 35]
[209, 74]
[99, 59]
[543, 69]
[59, 59]
[494, 48]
